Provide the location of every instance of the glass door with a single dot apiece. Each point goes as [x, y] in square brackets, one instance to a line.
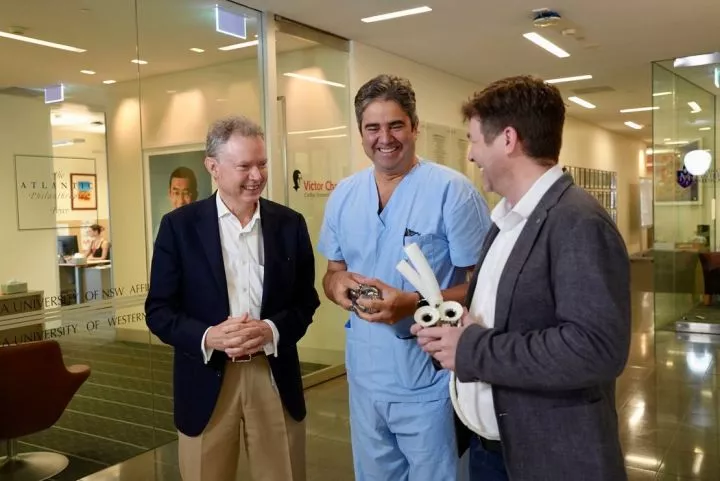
[314, 118]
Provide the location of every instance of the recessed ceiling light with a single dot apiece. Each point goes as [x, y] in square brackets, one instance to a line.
[108, 82]
[314, 79]
[633, 125]
[546, 44]
[568, 79]
[236, 46]
[581, 102]
[705, 128]
[197, 50]
[139, 62]
[87, 72]
[638, 109]
[695, 107]
[44, 43]
[661, 94]
[398, 14]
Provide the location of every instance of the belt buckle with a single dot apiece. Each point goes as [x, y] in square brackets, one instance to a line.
[245, 358]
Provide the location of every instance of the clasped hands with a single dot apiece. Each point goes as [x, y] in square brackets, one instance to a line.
[239, 336]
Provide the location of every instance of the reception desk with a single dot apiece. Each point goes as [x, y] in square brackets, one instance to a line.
[82, 279]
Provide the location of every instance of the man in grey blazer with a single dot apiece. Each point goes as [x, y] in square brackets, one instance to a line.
[547, 327]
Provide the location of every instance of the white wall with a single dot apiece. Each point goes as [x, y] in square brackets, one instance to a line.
[28, 255]
[439, 98]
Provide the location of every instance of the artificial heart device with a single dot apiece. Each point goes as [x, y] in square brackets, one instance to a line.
[437, 311]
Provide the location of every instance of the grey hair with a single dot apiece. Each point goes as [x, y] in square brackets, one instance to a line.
[387, 87]
[221, 130]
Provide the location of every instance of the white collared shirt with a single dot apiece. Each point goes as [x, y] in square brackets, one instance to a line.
[474, 403]
[244, 260]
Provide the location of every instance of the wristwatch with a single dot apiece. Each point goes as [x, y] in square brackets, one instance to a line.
[421, 302]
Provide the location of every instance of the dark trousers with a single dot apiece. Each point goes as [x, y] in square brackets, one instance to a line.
[486, 461]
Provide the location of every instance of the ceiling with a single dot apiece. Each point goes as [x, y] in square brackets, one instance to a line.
[614, 41]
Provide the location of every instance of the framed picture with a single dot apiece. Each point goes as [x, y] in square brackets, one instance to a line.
[84, 192]
[174, 176]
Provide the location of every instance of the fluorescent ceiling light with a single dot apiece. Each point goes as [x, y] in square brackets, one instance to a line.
[139, 62]
[109, 82]
[697, 60]
[328, 136]
[398, 14]
[236, 46]
[676, 142]
[568, 79]
[197, 50]
[314, 79]
[87, 72]
[44, 43]
[705, 128]
[638, 109]
[316, 131]
[695, 107]
[633, 125]
[62, 143]
[660, 94]
[546, 44]
[581, 102]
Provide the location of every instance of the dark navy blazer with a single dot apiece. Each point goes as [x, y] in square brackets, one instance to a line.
[188, 293]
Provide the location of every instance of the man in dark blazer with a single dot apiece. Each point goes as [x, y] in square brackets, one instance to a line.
[232, 290]
[547, 327]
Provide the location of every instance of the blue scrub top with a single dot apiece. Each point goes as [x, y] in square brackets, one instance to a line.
[440, 210]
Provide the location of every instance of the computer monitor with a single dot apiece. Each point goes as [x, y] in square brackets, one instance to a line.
[67, 245]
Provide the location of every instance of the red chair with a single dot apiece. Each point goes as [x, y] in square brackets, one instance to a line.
[36, 387]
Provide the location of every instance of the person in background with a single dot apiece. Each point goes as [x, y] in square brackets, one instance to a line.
[99, 248]
[547, 330]
[232, 290]
[401, 418]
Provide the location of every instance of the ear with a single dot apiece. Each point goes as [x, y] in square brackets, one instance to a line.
[211, 166]
[510, 140]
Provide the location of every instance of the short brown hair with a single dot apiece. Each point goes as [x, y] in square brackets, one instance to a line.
[387, 87]
[532, 107]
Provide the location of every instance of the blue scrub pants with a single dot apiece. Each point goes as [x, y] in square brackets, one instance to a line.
[402, 441]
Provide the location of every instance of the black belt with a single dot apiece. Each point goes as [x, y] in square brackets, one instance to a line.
[490, 445]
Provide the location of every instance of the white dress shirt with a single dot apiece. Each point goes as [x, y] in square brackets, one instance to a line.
[473, 400]
[244, 260]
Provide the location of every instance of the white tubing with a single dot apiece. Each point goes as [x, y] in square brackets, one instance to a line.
[427, 316]
[434, 297]
[413, 278]
[450, 312]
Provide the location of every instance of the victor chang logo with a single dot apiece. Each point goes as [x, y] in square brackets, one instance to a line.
[311, 188]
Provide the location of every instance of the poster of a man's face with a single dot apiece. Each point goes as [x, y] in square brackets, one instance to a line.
[176, 179]
[182, 188]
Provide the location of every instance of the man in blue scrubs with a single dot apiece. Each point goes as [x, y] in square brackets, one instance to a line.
[401, 417]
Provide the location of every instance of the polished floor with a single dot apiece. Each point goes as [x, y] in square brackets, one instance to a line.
[667, 400]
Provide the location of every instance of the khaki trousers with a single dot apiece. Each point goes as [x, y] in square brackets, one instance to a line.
[248, 414]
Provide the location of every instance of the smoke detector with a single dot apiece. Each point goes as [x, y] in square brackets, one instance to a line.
[544, 17]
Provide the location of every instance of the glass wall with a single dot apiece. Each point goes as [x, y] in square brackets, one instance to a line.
[100, 105]
[685, 178]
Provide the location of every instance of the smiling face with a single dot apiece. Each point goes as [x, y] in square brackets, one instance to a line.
[388, 136]
[240, 169]
[492, 156]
